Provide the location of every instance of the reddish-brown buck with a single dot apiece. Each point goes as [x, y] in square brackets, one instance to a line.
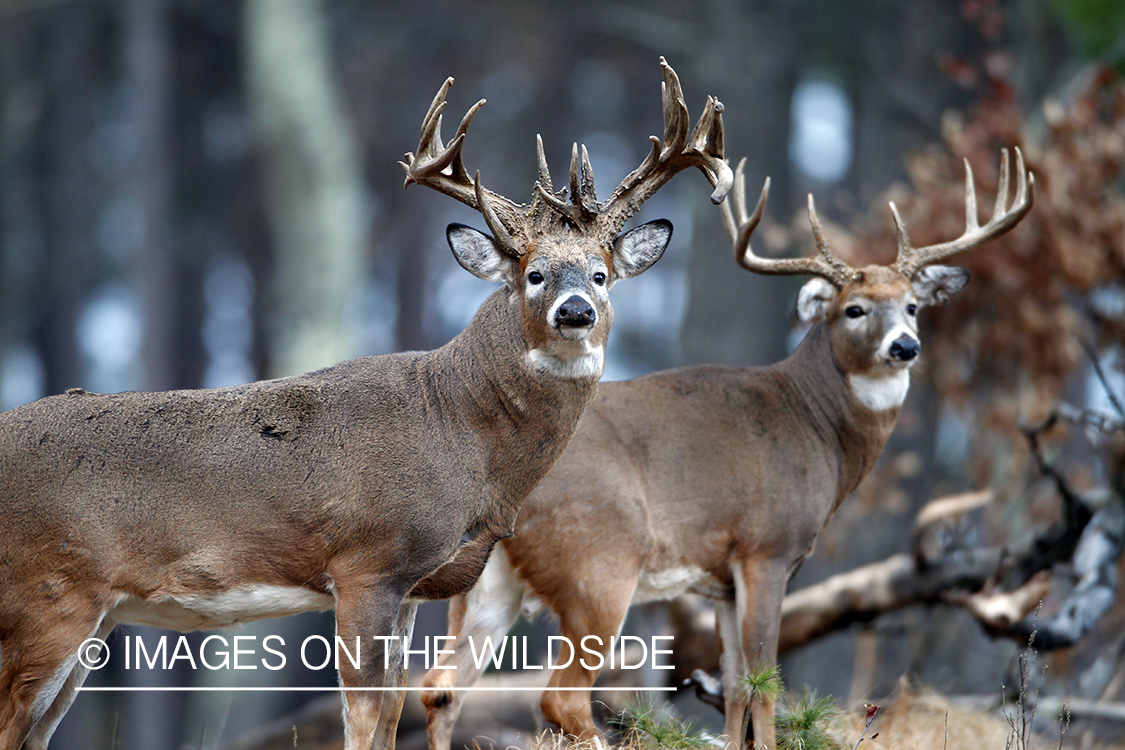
[364, 487]
[715, 480]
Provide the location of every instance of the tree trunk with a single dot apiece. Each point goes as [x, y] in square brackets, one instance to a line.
[148, 186]
[311, 164]
[70, 119]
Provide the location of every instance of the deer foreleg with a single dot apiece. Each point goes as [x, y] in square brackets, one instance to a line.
[395, 676]
[369, 612]
[487, 611]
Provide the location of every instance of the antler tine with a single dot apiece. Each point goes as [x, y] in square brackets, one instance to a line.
[499, 231]
[828, 265]
[901, 238]
[545, 190]
[1002, 188]
[575, 179]
[582, 195]
[1004, 217]
[971, 221]
[544, 171]
[432, 121]
[588, 195]
[734, 207]
[676, 117]
[457, 164]
[552, 200]
[740, 227]
[441, 167]
[681, 148]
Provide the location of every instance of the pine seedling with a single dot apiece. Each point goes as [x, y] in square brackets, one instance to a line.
[803, 724]
[647, 724]
[763, 681]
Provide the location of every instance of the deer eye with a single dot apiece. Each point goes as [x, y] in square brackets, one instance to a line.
[535, 278]
[854, 311]
[599, 278]
[911, 309]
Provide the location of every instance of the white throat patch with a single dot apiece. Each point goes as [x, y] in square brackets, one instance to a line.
[881, 393]
[581, 360]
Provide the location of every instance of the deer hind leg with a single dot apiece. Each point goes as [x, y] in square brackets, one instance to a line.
[749, 630]
[45, 727]
[38, 670]
[487, 611]
[594, 613]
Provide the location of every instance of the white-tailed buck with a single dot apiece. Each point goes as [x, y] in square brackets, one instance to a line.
[363, 488]
[714, 480]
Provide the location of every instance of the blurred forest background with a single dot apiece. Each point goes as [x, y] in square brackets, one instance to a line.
[197, 193]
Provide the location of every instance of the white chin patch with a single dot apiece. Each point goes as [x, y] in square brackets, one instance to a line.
[574, 334]
[576, 361]
[883, 392]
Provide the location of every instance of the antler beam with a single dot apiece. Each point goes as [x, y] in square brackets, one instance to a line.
[740, 227]
[911, 259]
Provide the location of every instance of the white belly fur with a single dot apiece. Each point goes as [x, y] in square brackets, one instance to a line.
[220, 610]
[672, 582]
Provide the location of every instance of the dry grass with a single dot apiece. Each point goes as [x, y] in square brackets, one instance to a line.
[914, 720]
[927, 721]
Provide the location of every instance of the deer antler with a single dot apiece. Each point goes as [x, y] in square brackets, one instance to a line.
[703, 147]
[910, 259]
[440, 166]
[739, 228]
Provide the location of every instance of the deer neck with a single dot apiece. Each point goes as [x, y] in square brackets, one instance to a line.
[523, 417]
[852, 416]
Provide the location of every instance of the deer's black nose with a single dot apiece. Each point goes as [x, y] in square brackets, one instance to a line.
[905, 348]
[575, 313]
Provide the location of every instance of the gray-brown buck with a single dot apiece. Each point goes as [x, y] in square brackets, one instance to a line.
[363, 488]
[714, 480]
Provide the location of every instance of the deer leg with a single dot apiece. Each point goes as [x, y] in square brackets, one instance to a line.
[598, 614]
[732, 661]
[38, 663]
[759, 590]
[395, 676]
[41, 733]
[488, 610]
[368, 612]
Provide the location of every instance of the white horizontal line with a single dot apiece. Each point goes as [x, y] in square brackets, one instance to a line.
[162, 689]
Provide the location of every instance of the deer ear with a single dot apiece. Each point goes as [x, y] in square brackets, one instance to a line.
[814, 299]
[636, 250]
[933, 284]
[477, 253]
